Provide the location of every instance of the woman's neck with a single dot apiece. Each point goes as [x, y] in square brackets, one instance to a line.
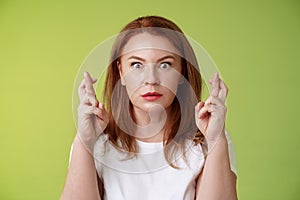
[150, 125]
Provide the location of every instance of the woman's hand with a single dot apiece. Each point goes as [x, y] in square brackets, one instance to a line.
[92, 117]
[210, 115]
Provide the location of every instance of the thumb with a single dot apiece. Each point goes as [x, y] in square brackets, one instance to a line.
[104, 115]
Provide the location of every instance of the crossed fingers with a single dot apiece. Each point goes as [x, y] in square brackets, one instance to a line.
[86, 91]
[219, 89]
[216, 100]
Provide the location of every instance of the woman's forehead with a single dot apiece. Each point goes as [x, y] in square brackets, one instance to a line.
[150, 54]
[146, 41]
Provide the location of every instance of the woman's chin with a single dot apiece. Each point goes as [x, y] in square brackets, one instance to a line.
[153, 107]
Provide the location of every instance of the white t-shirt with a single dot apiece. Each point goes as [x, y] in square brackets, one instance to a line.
[148, 176]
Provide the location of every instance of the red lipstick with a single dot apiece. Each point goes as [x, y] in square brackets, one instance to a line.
[151, 96]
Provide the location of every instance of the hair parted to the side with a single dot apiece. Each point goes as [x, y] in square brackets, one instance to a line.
[185, 117]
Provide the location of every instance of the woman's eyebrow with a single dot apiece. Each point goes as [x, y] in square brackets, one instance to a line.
[160, 59]
[137, 58]
[165, 57]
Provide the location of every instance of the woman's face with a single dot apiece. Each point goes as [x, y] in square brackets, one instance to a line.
[150, 69]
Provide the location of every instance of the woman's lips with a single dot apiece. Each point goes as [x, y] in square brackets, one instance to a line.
[151, 96]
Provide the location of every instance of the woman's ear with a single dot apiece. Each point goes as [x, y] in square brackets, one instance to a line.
[120, 72]
[181, 79]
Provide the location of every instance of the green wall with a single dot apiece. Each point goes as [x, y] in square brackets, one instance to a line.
[255, 44]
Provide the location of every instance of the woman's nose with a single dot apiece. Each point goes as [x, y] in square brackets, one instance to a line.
[151, 75]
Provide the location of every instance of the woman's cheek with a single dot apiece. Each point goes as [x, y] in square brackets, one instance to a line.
[132, 83]
[171, 81]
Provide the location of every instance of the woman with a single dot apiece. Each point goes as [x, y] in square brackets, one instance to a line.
[154, 138]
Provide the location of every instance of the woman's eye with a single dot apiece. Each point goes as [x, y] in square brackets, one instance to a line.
[136, 65]
[165, 65]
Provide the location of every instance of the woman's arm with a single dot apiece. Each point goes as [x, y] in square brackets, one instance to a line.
[81, 182]
[82, 177]
[216, 180]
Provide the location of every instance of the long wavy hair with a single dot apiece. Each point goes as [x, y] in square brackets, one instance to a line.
[180, 125]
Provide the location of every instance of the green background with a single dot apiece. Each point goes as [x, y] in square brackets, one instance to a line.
[255, 44]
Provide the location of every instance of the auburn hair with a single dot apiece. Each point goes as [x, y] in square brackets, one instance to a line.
[179, 126]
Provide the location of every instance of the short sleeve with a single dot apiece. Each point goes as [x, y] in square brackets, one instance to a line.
[231, 152]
